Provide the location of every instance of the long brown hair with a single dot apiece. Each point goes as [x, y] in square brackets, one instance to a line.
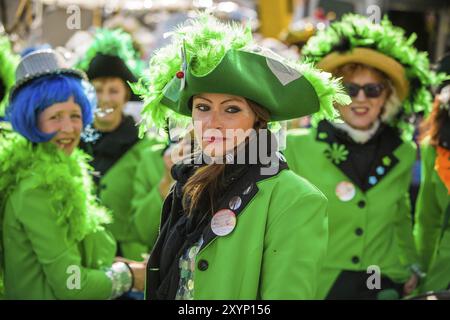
[205, 182]
[430, 128]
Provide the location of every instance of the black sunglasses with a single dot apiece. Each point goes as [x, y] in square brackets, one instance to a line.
[371, 90]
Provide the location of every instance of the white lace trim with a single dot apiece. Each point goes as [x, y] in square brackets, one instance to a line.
[359, 136]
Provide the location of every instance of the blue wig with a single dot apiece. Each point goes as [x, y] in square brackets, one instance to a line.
[37, 95]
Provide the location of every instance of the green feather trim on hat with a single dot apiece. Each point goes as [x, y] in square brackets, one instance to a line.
[355, 31]
[8, 64]
[206, 42]
[114, 42]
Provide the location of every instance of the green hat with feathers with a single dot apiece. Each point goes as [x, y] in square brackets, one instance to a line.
[209, 56]
[111, 54]
[356, 39]
[8, 64]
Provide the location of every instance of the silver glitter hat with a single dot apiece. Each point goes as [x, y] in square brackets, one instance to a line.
[41, 63]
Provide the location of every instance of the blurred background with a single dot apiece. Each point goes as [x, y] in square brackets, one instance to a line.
[284, 25]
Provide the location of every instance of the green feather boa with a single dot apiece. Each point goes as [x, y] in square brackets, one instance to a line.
[8, 64]
[66, 179]
[208, 40]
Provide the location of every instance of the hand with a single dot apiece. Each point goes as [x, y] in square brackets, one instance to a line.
[175, 153]
[145, 257]
[411, 284]
[121, 259]
[139, 272]
[167, 180]
[178, 151]
[165, 184]
[167, 157]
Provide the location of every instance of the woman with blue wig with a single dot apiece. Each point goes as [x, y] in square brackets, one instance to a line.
[52, 241]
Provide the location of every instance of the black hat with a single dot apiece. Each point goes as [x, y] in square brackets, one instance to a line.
[111, 54]
[104, 65]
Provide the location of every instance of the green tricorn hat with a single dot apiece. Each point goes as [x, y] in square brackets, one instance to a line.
[208, 56]
[270, 83]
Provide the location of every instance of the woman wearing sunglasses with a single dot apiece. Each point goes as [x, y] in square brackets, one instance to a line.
[364, 161]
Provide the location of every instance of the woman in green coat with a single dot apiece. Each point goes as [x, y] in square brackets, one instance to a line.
[113, 140]
[432, 211]
[228, 230]
[363, 163]
[53, 242]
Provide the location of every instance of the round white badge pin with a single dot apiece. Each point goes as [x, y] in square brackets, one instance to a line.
[223, 222]
[345, 191]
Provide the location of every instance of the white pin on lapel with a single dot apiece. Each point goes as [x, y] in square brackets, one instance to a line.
[345, 191]
[223, 222]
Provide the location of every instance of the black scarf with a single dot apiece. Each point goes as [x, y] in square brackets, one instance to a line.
[361, 155]
[111, 146]
[364, 159]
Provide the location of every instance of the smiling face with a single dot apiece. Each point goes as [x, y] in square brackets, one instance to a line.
[221, 122]
[363, 111]
[112, 95]
[64, 119]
